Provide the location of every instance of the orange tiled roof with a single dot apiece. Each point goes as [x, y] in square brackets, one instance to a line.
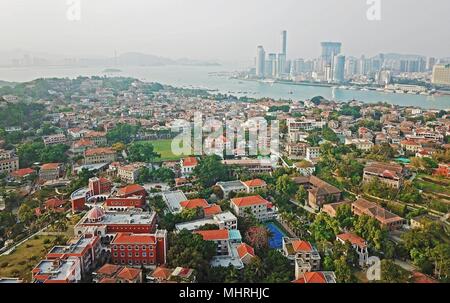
[255, 183]
[213, 209]
[210, 235]
[248, 201]
[129, 273]
[48, 166]
[162, 273]
[194, 203]
[130, 189]
[99, 151]
[314, 277]
[353, 239]
[299, 245]
[23, 172]
[190, 161]
[108, 269]
[245, 249]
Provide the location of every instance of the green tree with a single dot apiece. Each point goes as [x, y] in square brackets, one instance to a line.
[141, 152]
[210, 170]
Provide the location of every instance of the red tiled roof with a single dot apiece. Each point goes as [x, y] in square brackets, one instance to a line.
[248, 201]
[213, 209]
[129, 273]
[128, 238]
[255, 183]
[190, 161]
[312, 277]
[130, 189]
[162, 273]
[108, 269]
[245, 249]
[48, 166]
[83, 142]
[210, 235]
[54, 203]
[99, 151]
[353, 239]
[299, 245]
[194, 203]
[23, 172]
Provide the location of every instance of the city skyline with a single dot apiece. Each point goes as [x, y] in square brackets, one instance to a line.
[400, 30]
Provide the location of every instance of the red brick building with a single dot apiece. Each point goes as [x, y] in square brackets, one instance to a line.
[121, 204]
[139, 249]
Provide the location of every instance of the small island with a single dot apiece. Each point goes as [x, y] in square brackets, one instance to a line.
[112, 70]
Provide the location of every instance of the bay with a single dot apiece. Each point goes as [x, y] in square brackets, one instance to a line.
[214, 78]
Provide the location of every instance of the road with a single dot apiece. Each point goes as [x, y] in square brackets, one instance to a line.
[12, 248]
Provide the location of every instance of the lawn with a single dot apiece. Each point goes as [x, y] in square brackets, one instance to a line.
[426, 184]
[21, 261]
[163, 147]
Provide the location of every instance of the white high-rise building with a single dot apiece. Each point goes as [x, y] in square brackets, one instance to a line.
[260, 62]
[441, 74]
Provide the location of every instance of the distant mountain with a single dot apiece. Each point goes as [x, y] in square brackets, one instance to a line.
[26, 58]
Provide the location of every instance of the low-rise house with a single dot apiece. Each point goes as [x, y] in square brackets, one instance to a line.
[110, 273]
[169, 275]
[246, 253]
[224, 220]
[390, 174]
[129, 173]
[305, 256]
[257, 206]
[387, 219]
[187, 165]
[99, 155]
[358, 244]
[361, 144]
[305, 168]
[312, 153]
[229, 187]
[316, 277]
[255, 185]
[99, 138]
[54, 139]
[332, 208]
[321, 192]
[51, 171]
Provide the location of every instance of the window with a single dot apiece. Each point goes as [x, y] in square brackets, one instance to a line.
[130, 254]
[144, 254]
[115, 254]
[129, 247]
[122, 247]
[143, 247]
[136, 247]
[136, 254]
[122, 254]
[151, 254]
[115, 247]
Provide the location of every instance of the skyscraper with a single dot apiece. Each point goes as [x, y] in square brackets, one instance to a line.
[281, 64]
[284, 42]
[330, 49]
[272, 58]
[338, 69]
[260, 61]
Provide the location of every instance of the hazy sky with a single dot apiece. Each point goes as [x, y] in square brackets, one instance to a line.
[224, 29]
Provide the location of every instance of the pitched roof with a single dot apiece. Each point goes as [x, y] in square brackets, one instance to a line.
[255, 183]
[322, 187]
[54, 203]
[353, 239]
[189, 161]
[248, 201]
[194, 203]
[48, 166]
[244, 249]
[22, 172]
[211, 235]
[162, 273]
[99, 151]
[373, 210]
[300, 245]
[130, 189]
[129, 273]
[213, 209]
[108, 269]
[314, 277]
